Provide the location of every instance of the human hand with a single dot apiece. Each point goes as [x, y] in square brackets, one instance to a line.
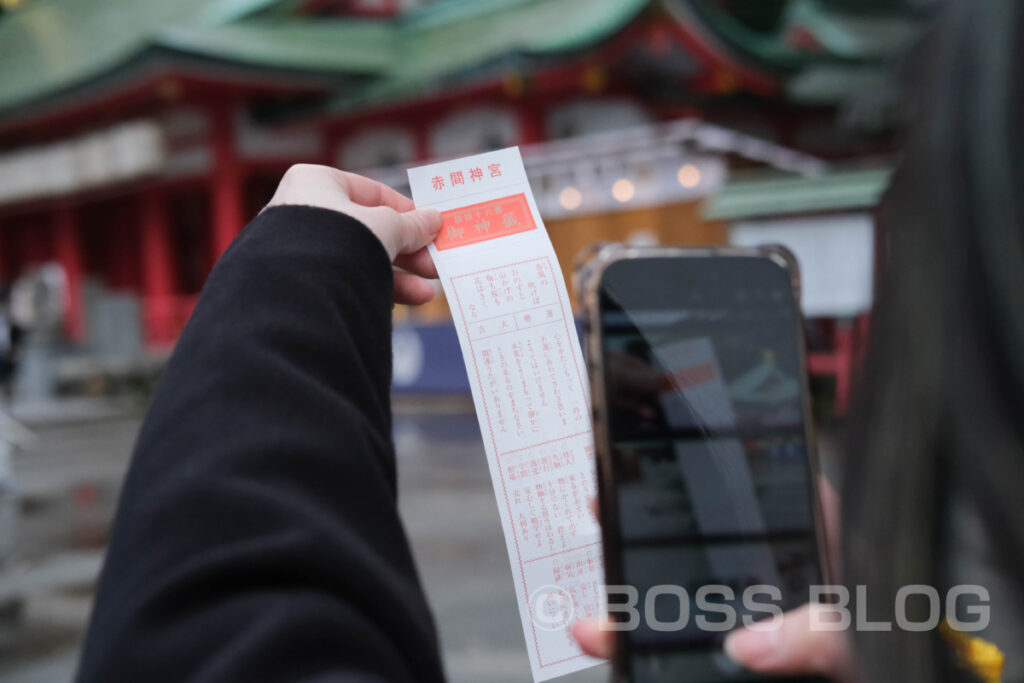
[403, 229]
[785, 645]
[791, 646]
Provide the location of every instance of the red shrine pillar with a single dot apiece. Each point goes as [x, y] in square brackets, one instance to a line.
[36, 245]
[3, 264]
[158, 295]
[421, 138]
[226, 219]
[844, 343]
[68, 252]
[531, 123]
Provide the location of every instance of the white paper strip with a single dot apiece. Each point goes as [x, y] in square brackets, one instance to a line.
[515, 326]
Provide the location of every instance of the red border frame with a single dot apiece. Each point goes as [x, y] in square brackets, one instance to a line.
[494, 443]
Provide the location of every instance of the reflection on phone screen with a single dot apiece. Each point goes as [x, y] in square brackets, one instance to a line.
[706, 425]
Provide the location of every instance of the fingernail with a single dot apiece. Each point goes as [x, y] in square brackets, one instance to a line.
[752, 648]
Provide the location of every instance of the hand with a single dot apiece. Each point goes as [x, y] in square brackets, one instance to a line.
[404, 230]
[788, 647]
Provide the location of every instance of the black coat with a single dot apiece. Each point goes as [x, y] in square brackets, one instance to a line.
[257, 536]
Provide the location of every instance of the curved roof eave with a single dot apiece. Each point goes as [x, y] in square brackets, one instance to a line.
[46, 48]
[50, 51]
[136, 80]
[322, 46]
[525, 30]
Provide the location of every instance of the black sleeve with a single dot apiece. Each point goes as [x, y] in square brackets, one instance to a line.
[257, 536]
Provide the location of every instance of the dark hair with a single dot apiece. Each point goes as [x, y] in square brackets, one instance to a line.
[940, 409]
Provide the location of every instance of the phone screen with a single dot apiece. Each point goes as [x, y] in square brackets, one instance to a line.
[712, 515]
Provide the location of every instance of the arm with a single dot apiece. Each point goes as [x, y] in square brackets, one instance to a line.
[257, 536]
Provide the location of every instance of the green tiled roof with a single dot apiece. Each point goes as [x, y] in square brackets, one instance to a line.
[845, 190]
[429, 49]
[324, 45]
[841, 35]
[51, 46]
[47, 45]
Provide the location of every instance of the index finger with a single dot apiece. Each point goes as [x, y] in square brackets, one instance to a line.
[367, 192]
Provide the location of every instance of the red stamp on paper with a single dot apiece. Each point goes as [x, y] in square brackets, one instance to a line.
[485, 221]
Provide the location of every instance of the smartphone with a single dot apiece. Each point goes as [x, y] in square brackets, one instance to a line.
[707, 473]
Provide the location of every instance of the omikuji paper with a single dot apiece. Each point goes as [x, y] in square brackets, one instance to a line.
[515, 326]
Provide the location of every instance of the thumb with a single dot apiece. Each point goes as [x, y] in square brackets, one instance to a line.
[794, 643]
[399, 232]
[416, 229]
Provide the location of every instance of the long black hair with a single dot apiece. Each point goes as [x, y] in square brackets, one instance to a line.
[940, 408]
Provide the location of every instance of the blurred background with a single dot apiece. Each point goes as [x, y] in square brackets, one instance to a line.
[137, 137]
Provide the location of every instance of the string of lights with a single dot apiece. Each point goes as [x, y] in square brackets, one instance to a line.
[646, 165]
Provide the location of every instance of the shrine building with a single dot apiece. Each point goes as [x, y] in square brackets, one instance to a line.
[138, 137]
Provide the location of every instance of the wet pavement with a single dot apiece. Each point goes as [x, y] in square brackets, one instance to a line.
[448, 505]
[69, 484]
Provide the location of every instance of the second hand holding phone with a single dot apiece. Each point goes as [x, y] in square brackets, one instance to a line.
[706, 464]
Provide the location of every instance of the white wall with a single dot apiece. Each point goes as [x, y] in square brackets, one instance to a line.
[377, 146]
[836, 256]
[474, 130]
[581, 117]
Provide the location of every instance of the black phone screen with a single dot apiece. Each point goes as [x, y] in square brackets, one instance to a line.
[712, 517]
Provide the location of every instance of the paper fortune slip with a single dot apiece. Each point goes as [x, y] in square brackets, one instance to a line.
[515, 326]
